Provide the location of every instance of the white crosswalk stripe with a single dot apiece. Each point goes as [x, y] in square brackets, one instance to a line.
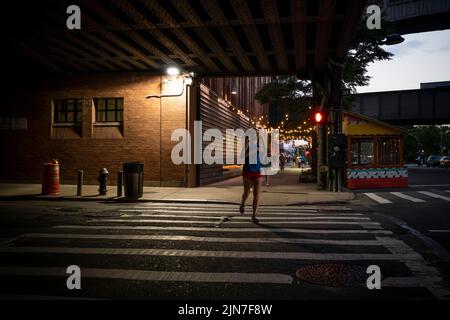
[202, 239]
[387, 197]
[201, 253]
[230, 230]
[213, 214]
[377, 198]
[407, 197]
[434, 195]
[265, 217]
[177, 236]
[278, 222]
[232, 208]
[156, 275]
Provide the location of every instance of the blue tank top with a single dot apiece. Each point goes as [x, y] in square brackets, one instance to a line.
[252, 168]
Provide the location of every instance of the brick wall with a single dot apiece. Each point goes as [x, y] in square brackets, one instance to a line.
[144, 136]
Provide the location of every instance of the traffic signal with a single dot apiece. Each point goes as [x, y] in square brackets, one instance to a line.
[319, 117]
[337, 150]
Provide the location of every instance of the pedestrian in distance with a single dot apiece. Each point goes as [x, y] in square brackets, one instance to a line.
[302, 161]
[282, 161]
[267, 167]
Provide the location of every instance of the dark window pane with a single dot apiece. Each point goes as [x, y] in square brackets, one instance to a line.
[68, 111]
[119, 116]
[111, 116]
[100, 104]
[366, 153]
[70, 116]
[355, 153]
[70, 105]
[120, 104]
[101, 117]
[362, 152]
[109, 109]
[111, 104]
[389, 151]
[60, 117]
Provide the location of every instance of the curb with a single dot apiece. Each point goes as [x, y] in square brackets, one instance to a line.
[185, 201]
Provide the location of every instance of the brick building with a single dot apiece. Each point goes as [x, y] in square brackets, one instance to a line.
[88, 122]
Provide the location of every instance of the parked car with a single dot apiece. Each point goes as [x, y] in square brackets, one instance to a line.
[445, 162]
[434, 161]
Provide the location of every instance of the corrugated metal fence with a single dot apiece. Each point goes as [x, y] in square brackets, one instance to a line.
[216, 113]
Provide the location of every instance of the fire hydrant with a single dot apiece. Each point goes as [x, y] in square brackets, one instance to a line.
[103, 179]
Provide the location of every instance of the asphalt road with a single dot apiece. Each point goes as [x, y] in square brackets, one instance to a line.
[206, 251]
[427, 210]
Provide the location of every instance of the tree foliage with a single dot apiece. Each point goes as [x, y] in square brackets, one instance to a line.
[430, 139]
[364, 49]
[289, 92]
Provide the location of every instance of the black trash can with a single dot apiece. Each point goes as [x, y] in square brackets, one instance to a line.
[133, 175]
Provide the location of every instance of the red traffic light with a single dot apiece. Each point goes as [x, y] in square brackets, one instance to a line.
[319, 117]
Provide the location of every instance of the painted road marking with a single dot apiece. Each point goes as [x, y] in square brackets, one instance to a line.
[377, 198]
[298, 221]
[218, 220]
[403, 282]
[261, 217]
[428, 275]
[204, 229]
[235, 212]
[233, 207]
[210, 254]
[199, 239]
[434, 195]
[406, 197]
[428, 185]
[141, 275]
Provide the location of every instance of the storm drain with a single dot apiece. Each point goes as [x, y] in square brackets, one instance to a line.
[334, 275]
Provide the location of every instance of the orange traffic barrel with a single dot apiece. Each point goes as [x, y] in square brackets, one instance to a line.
[50, 182]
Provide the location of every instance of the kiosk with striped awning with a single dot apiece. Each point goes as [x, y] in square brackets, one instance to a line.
[375, 153]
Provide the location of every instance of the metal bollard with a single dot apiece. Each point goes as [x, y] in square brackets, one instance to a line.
[119, 183]
[80, 183]
[103, 179]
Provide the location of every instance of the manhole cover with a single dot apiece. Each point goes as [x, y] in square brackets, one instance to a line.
[334, 275]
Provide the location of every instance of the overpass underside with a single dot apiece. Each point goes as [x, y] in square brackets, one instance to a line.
[414, 16]
[208, 37]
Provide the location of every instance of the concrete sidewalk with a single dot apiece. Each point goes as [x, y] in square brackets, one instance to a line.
[282, 191]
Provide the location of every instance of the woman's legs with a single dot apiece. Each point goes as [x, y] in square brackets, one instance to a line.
[247, 187]
[257, 187]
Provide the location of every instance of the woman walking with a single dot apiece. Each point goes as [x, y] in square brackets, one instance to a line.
[252, 179]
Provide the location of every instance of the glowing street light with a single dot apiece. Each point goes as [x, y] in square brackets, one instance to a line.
[173, 71]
